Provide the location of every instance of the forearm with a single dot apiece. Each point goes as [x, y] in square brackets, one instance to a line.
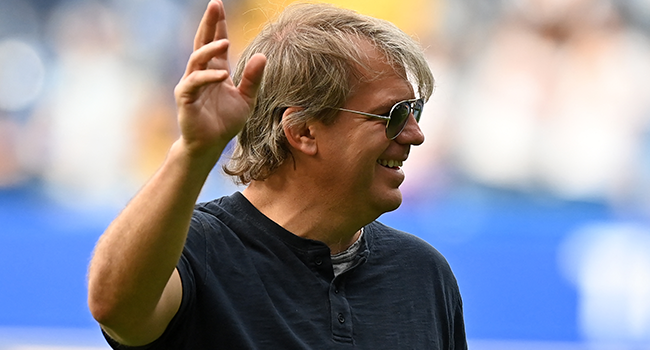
[137, 254]
[133, 290]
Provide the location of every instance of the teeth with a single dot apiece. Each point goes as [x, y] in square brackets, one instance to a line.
[390, 163]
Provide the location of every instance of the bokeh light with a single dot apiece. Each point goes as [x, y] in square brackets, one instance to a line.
[22, 74]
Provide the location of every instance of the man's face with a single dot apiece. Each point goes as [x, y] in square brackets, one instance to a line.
[361, 166]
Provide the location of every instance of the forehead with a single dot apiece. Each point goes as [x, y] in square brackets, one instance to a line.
[379, 81]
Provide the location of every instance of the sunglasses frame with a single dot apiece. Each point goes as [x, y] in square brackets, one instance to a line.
[412, 108]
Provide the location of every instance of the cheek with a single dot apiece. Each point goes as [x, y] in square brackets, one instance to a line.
[353, 172]
[358, 166]
[366, 173]
[353, 152]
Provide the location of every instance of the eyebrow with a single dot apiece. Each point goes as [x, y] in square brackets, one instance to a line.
[385, 105]
[388, 105]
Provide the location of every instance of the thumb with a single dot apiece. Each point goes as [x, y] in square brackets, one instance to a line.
[252, 76]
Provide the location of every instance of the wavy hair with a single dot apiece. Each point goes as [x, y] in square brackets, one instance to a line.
[313, 54]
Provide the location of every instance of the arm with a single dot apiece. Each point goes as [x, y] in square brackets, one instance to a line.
[134, 289]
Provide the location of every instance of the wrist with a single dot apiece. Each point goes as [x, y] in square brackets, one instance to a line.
[201, 159]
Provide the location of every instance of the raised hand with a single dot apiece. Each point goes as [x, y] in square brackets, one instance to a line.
[134, 289]
[211, 109]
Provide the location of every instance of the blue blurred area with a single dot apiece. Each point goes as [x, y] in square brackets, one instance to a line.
[501, 245]
[44, 253]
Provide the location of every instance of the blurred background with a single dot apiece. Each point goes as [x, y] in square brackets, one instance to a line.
[534, 180]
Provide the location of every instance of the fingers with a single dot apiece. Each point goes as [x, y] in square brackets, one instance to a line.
[198, 74]
[212, 26]
[222, 28]
[202, 57]
[252, 76]
[187, 88]
[209, 62]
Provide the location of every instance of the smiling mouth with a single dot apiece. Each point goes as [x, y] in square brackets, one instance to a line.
[392, 164]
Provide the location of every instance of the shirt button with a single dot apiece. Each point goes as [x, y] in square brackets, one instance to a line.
[341, 318]
[336, 291]
[318, 261]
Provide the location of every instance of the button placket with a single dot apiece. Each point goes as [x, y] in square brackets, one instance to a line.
[319, 262]
[341, 315]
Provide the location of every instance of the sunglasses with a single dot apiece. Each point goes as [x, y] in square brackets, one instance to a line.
[398, 115]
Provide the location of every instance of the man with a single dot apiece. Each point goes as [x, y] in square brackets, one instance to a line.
[296, 260]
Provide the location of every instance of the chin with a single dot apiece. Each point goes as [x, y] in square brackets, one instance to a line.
[390, 202]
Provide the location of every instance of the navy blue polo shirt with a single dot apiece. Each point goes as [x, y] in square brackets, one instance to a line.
[250, 284]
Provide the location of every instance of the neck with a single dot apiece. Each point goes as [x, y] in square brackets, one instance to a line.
[306, 212]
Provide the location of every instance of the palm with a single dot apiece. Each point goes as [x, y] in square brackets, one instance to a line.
[213, 112]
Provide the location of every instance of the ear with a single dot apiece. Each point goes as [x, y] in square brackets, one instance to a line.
[299, 135]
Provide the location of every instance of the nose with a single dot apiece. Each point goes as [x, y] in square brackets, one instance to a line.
[412, 134]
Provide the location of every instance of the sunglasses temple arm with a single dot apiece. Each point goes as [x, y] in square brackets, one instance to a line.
[366, 114]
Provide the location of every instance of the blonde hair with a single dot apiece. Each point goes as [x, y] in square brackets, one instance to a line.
[312, 55]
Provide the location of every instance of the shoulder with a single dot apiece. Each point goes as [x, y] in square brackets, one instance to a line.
[410, 274]
[215, 226]
[413, 255]
[385, 239]
[222, 211]
[215, 207]
[227, 207]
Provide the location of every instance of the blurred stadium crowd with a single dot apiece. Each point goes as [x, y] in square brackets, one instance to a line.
[532, 95]
[539, 97]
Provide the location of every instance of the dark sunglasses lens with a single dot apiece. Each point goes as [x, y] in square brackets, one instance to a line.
[398, 118]
[417, 109]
